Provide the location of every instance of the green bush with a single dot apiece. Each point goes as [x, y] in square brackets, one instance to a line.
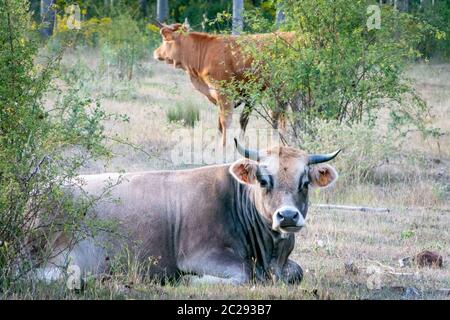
[185, 113]
[41, 148]
[123, 45]
[437, 14]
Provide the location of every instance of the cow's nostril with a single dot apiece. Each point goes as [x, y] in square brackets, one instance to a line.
[280, 216]
[296, 215]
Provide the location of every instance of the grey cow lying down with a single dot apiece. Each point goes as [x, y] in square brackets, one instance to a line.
[231, 223]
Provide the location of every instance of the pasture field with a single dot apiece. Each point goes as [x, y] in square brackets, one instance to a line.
[344, 254]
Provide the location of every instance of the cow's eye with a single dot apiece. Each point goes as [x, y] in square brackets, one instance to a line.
[264, 182]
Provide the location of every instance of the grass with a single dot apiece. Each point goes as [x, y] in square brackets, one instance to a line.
[187, 114]
[418, 195]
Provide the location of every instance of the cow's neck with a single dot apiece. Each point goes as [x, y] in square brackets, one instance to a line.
[267, 248]
[194, 43]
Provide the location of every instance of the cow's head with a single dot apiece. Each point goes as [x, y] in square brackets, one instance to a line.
[281, 178]
[170, 50]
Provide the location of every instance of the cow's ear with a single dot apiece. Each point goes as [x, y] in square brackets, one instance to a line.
[166, 33]
[322, 175]
[244, 171]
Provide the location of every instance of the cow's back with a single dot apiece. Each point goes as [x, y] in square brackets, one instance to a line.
[159, 215]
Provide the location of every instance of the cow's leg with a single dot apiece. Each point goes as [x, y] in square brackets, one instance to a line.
[279, 119]
[84, 258]
[225, 118]
[54, 268]
[49, 273]
[203, 88]
[217, 267]
[243, 120]
[211, 280]
[292, 272]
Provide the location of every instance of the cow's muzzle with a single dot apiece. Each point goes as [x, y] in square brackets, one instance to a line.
[157, 56]
[288, 219]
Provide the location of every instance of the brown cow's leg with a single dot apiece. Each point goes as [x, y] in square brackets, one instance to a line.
[219, 125]
[279, 119]
[203, 88]
[224, 131]
[243, 120]
[225, 118]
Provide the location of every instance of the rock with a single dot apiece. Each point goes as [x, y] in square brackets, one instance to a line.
[428, 259]
[351, 268]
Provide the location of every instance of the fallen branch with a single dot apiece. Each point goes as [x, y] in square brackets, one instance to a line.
[350, 208]
[425, 208]
[375, 209]
[401, 273]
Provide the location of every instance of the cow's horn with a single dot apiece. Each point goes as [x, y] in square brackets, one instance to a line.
[186, 24]
[247, 153]
[158, 24]
[319, 158]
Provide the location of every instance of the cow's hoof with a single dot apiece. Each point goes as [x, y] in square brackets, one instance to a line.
[293, 273]
[298, 277]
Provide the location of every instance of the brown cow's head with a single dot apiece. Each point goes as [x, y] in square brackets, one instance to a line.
[281, 178]
[170, 49]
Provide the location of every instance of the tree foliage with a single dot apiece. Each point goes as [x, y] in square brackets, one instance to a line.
[336, 68]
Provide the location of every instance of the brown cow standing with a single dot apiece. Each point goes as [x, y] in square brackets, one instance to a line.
[210, 60]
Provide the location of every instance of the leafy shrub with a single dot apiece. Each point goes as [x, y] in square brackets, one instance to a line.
[123, 45]
[184, 113]
[122, 41]
[89, 33]
[41, 148]
[437, 14]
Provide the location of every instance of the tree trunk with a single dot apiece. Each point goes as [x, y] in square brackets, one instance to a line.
[47, 17]
[35, 8]
[143, 6]
[108, 6]
[162, 10]
[238, 22]
[280, 14]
